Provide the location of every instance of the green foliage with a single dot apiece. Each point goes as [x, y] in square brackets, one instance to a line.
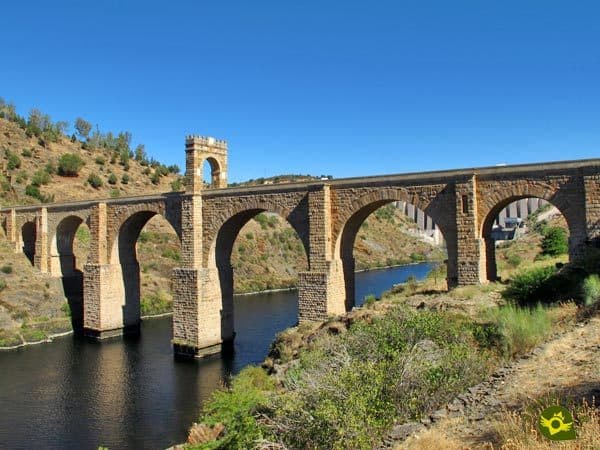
[83, 235]
[530, 287]
[14, 162]
[83, 127]
[520, 328]
[386, 213]
[177, 185]
[115, 193]
[7, 269]
[40, 177]
[249, 236]
[69, 165]
[369, 301]
[156, 303]
[155, 177]
[237, 409]
[100, 160]
[94, 180]
[112, 179]
[555, 241]
[175, 255]
[591, 290]
[27, 153]
[514, 260]
[50, 168]
[125, 179]
[266, 221]
[417, 257]
[66, 309]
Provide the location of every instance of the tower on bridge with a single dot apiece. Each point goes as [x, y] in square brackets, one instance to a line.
[199, 149]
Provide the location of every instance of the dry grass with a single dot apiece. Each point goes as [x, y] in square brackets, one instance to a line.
[430, 439]
[519, 430]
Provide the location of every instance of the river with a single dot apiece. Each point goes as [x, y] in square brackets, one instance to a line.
[132, 394]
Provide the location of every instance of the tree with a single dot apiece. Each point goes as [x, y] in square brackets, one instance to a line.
[69, 165]
[83, 127]
[140, 153]
[555, 241]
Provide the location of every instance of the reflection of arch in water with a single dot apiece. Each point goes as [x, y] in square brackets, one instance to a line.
[28, 237]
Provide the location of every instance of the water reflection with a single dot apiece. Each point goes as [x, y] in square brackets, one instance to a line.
[74, 394]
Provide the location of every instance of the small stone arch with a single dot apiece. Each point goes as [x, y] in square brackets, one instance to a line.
[215, 171]
[28, 239]
[495, 200]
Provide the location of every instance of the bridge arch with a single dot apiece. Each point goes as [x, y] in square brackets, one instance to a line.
[222, 244]
[214, 171]
[125, 268]
[63, 263]
[28, 238]
[349, 223]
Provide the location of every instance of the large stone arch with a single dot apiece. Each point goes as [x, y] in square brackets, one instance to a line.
[349, 221]
[221, 243]
[559, 195]
[215, 171]
[125, 268]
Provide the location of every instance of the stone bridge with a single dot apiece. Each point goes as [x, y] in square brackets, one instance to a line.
[326, 215]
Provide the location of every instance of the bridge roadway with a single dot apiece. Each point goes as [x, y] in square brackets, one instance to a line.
[326, 215]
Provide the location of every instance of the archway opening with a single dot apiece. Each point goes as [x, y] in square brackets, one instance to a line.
[523, 231]
[211, 172]
[28, 237]
[395, 236]
[258, 251]
[68, 254]
[147, 249]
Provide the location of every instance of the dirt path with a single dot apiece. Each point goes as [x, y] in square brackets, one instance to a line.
[568, 365]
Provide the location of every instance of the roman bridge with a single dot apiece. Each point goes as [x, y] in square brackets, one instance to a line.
[326, 215]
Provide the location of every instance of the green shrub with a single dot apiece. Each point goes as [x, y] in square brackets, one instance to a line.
[40, 177]
[83, 235]
[7, 269]
[50, 168]
[591, 290]
[66, 309]
[125, 179]
[416, 257]
[237, 407]
[177, 185]
[514, 260]
[115, 193]
[155, 177]
[530, 287]
[26, 153]
[94, 180]
[369, 300]
[69, 165]
[22, 176]
[14, 162]
[521, 328]
[100, 160]
[156, 303]
[112, 179]
[33, 191]
[175, 255]
[555, 241]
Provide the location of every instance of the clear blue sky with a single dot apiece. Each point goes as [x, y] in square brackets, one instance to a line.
[344, 88]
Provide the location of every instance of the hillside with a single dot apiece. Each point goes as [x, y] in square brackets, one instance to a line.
[267, 254]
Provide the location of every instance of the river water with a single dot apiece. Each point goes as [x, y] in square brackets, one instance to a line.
[76, 394]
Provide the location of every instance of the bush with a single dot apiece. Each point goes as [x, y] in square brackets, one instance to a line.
[155, 178]
[69, 165]
[171, 254]
[521, 328]
[2, 285]
[591, 290]
[555, 241]
[14, 162]
[114, 193]
[176, 185]
[100, 160]
[7, 269]
[26, 153]
[125, 179]
[94, 180]
[112, 179]
[50, 168]
[156, 303]
[40, 177]
[530, 287]
[33, 191]
[514, 260]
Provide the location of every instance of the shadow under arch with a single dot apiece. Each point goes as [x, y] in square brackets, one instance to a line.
[61, 249]
[488, 251]
[344, 247]
[220, 258]
[28, 237]
[126, 275]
